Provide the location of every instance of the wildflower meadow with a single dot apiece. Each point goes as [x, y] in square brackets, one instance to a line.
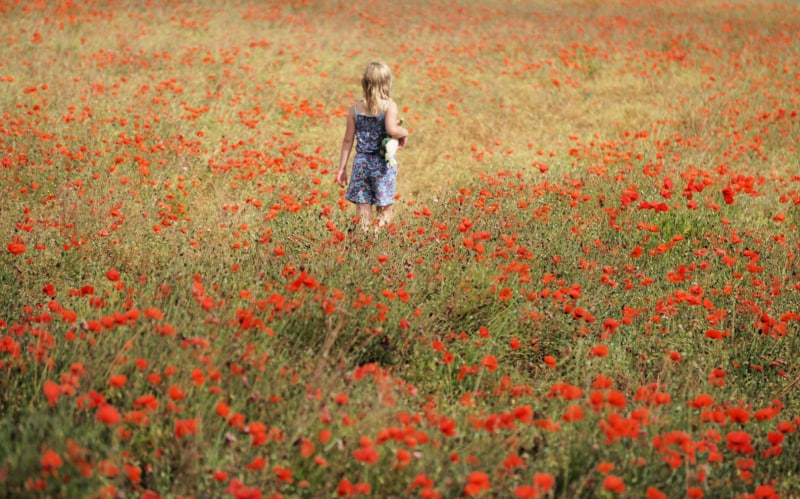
[590, 288]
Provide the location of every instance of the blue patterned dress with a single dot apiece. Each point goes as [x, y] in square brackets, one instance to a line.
[373, 180]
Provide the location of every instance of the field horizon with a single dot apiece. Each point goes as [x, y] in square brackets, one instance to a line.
[590, 286]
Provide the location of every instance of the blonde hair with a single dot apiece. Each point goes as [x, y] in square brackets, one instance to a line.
[377, 85]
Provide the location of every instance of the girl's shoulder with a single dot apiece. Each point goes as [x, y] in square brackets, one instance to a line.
[386, 104]
[360, 106]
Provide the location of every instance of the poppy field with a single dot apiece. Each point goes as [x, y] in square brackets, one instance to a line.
[590, 288]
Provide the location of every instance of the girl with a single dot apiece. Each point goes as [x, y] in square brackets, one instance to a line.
[369, 120]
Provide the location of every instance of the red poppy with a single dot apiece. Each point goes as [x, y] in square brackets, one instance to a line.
[489, 362]
[614, 484]
[52, 391]
[728, 195]
[600, 350]
[184, 427]
[16, 248]
[108, 415]
[527, 492]
[51, 461]
[175, 393]
[572, 414]
[739, 442]
[544, 481]
[477, 482]
[117, 380]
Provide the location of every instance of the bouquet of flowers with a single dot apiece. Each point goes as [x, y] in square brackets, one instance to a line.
[389, 147]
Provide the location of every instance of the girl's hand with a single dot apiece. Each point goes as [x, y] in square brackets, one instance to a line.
[401, 143]
[341, 178]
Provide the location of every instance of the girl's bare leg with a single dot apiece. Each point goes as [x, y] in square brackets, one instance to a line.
[364, 213]
[385, 215]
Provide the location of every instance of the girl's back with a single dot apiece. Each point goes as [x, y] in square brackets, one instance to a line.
[369, 129]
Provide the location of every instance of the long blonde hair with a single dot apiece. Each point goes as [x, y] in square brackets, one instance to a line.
[377, 85]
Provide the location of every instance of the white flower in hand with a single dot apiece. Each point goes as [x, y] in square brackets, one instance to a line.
[391, 145]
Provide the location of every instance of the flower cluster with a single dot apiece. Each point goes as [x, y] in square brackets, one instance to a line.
[389, 148]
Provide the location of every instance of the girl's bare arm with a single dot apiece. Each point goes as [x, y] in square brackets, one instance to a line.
[347, 146]
[392, 128]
